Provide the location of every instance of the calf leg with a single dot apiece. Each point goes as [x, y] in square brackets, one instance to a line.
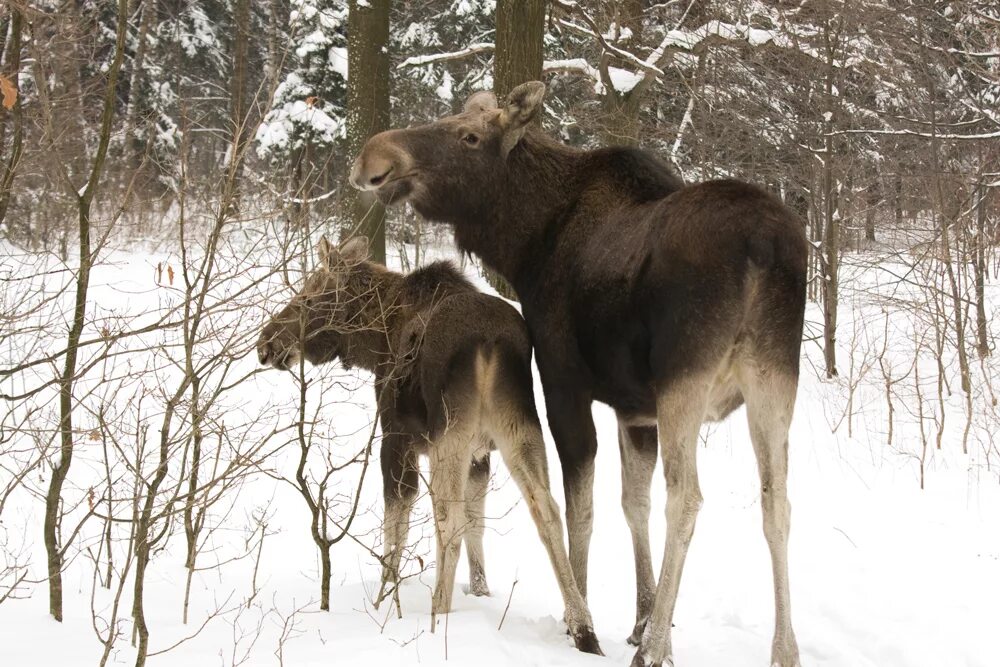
[399, 488]
[450, 455]
[475, 506]
[638, 450]
[518, 436]
[680, 410]
[769, 412]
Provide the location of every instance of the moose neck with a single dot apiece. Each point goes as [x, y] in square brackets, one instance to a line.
[511, 229]
[369, 344]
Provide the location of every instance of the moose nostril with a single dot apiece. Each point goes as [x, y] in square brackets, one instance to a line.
[379, 180]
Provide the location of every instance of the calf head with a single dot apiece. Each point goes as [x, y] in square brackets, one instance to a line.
[318, 321]
[452, 166]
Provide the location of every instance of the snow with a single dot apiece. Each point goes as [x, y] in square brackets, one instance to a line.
[310, 43]
[444, 91]
[882, 573]
[338, 60]
[279, 127]
[624, 80]
[472, 49]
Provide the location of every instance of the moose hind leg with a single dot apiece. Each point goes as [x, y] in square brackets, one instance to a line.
[680, 410]
[518, 436]
[769, 412]
[638, 451]
[450, 455]
[475, 510]
[399, 487]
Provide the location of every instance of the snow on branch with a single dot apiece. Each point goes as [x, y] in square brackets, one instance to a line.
[675, 41]
[925, 135]
[471, 50]
[593, 31]
[579, 65]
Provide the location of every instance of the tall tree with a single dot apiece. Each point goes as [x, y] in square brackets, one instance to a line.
[367, 107]
[520, 28]
[520, 32]
[55, 549]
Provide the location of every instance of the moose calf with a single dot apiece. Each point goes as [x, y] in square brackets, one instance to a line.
[453, 379]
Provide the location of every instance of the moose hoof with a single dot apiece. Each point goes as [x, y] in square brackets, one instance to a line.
[478, 586]
[641, 660]
[586, 641]
[790, 661]
[636, 637]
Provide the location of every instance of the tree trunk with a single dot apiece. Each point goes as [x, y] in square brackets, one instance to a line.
[520, 28]
[53, 548]
[872, 199]
[831, 214]
[147, 14]
[324, 577]
[238, 107]
[12, 67]
[979, 264]
[367, 110]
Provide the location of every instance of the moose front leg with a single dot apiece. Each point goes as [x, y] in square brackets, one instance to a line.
[572, 427]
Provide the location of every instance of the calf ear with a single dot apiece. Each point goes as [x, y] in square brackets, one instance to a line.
[355, 250]
[524, 103]
[327, 253]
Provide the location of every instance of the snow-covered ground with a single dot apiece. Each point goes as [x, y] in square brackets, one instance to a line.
[883, 574]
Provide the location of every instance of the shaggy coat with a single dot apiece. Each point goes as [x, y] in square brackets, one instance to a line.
[672, 304]
[453, 380]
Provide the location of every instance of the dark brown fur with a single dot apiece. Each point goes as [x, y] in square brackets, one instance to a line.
[452, 373]
[671, 304]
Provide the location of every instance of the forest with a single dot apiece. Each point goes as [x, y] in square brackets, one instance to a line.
[168, 169]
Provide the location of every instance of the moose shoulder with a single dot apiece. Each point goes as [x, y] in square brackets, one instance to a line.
[673, 304]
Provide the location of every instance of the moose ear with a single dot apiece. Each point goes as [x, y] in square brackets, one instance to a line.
[524, 103]
[327, 252]
[481, 101]
[355, 250]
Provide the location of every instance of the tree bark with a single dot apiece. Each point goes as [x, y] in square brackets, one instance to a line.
[133, 147]
[12, 67]
[831, 264]
[238, 106]
[520, 26]
[979, 265]
[367, 110]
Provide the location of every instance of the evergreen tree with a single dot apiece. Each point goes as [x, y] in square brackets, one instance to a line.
[309, 107]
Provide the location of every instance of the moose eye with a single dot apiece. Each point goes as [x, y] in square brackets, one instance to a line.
[470, 139]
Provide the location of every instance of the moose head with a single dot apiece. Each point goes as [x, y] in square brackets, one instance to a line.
[318, 321]
[449, 167]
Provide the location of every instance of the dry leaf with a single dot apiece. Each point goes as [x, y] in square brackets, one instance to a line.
[170, 274]
[9, 92]
[95, 435]
[311, 100]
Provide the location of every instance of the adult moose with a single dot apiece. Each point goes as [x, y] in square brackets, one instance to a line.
[452, 373]
[671, 304]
